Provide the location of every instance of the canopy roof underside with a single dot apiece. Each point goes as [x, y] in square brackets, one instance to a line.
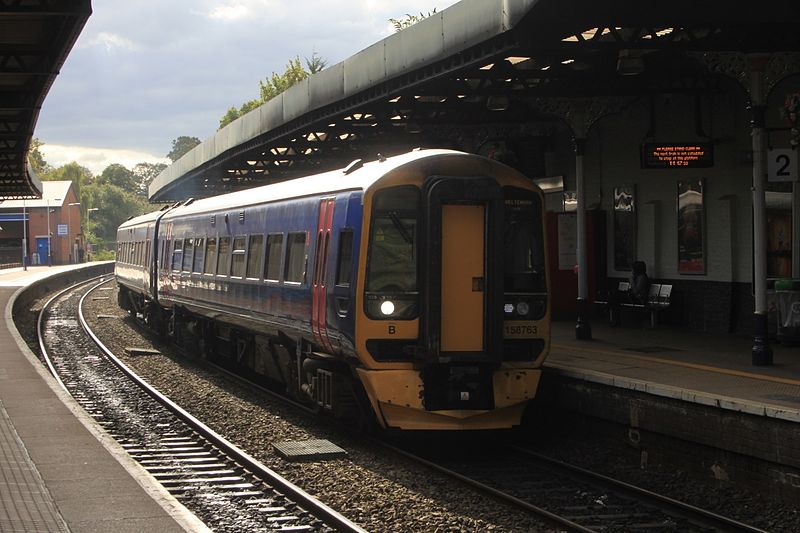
[480, 62]
[35, 38]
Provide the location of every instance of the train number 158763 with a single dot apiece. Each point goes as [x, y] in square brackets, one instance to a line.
[519, 329]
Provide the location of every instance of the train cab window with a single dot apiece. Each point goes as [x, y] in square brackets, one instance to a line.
[295, 269]
[272, 268]
[237, 257]
[523, 242]
[188, 255]
[199, 256]
[177, 255]
[211, 252]
[222, 257]
[392, 255]
[345, 263]
[255, 251]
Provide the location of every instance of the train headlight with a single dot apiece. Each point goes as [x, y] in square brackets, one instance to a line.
[523, 308]
[508, 308]
[387, 307]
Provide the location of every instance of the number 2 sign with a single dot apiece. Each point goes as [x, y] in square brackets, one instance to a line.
[782, 164]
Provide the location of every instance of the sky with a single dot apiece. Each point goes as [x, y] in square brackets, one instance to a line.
[145, 72]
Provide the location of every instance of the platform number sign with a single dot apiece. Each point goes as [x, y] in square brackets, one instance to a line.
[782, 164]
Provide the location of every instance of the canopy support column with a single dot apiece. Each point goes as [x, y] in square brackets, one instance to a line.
[761, 353]
[583, 329]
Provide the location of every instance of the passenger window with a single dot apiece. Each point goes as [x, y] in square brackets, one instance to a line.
[222, 258]
[295, 258]
[255, 251]
[345, 265]
[211, 251]
[272, 270]
[199, 256]
[188, 254]
[237, 257]
[177, 255]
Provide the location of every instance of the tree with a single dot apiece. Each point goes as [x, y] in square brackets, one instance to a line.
[181, 145]
[36, 158]
[115, 206]
[276, 84]
[120, 176]
[145, 173]
[409, 20]
[78, 175]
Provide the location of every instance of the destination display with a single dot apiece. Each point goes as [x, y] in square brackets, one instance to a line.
[677, 155]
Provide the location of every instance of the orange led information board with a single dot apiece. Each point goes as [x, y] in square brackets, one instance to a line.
[677, 155]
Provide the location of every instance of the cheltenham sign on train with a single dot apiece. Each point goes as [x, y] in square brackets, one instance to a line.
[414, 287]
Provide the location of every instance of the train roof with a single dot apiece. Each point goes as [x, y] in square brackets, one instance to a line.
[142, 219]
[328, 182]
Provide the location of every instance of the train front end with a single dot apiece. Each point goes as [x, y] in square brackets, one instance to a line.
[453, 311]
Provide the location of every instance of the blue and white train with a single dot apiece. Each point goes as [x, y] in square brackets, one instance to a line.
[415, 286]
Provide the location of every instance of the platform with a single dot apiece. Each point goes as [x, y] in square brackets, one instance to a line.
[709, 369]
[58, 471]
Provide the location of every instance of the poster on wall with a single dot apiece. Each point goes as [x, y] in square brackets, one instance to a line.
[691, 227]
[624, 227]
[567, 241]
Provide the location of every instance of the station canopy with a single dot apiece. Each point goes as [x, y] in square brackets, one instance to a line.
[35, 38]
[500, 62]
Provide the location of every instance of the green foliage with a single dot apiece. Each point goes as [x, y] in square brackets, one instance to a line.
[119, 176]
[145, 173]
[78, 175]
[115, 205]
[36, 158]
[276, 84]
[409, 20]
[181, 145]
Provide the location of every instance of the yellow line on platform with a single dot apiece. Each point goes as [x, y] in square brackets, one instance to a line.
[696, 366]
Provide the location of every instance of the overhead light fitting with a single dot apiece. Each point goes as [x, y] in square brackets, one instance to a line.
[629, 63]
[497, 103]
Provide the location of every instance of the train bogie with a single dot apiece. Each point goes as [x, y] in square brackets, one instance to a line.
[415, 285]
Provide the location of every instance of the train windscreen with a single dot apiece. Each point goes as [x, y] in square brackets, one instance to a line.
[523, 243]
[391, 282]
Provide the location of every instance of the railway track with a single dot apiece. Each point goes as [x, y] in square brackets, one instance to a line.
[224, 487]
[571, 497]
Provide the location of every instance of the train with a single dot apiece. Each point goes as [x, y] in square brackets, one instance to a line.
[413, 288]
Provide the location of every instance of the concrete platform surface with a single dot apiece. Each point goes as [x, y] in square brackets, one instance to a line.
[59, 472]
[701, 368]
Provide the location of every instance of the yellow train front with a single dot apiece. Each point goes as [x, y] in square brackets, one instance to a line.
[452, 311]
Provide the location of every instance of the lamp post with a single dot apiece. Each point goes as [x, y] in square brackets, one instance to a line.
[88, 228]
[50, 234]
[69, 231]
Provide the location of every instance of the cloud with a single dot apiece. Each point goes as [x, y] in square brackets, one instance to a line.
[111, 41]
[96, 159]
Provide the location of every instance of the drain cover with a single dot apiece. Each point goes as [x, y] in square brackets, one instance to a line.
[141, 351]
[308, 449]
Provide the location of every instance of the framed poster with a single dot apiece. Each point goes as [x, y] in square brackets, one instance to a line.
[691, 227]
[624, 227]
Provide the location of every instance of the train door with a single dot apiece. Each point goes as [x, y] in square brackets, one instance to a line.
[462, 269]
[463, 274]
[319, 319]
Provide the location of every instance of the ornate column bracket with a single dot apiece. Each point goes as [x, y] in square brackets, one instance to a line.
[737, 65]
[581, 114]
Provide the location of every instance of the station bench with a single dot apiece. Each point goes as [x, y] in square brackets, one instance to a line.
[658, 298]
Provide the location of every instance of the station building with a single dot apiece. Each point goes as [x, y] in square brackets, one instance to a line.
[44, 230]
